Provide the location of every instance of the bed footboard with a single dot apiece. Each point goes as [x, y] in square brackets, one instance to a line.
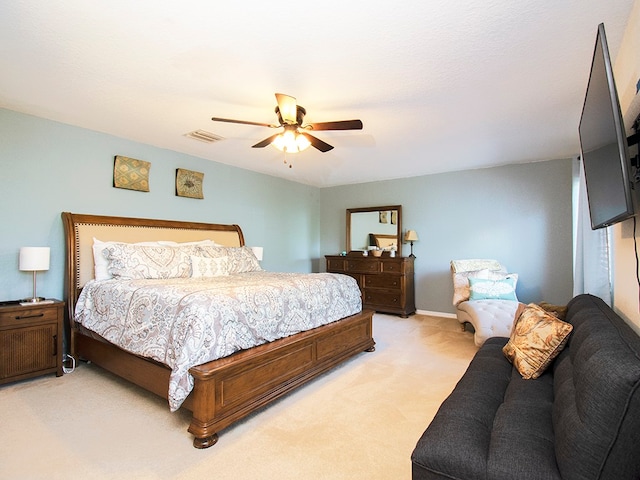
[228, 389]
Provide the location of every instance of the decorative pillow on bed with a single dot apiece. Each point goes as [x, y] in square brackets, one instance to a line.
[241, 259]
[148, 261]
[100, 261]
[209, 267]
[537, 337]
[503, 288]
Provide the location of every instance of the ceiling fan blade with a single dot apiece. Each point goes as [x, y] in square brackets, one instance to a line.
[339, 125]
[243, 122]
[288, 108]
[317, 143]
[266, 141]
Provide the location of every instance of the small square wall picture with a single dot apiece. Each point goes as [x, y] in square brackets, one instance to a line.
[189, 183]
[131, 174]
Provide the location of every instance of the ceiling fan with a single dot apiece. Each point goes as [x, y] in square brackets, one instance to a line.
[294, 137]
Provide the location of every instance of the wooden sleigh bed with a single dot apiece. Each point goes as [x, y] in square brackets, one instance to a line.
[229, 388]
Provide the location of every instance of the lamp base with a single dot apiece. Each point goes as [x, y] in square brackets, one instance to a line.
[412, 255]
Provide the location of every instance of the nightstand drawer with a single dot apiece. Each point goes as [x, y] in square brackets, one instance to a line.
[18, 317]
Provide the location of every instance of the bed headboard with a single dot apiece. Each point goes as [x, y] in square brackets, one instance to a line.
[81, 229]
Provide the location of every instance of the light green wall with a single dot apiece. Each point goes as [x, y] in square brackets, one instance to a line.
[518, 214]
[48, 167]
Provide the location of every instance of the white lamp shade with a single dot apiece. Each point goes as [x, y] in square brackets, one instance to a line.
[411, 236]
[34, 259]
[257, 251]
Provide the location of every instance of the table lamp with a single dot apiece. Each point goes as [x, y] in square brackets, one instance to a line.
[411, 236]
[34, 259]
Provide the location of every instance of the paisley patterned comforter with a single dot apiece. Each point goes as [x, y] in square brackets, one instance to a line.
[189, 321]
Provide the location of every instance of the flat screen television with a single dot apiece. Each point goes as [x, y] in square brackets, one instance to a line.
[603, 144]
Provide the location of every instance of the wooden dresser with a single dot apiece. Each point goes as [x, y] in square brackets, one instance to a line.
[386, 283]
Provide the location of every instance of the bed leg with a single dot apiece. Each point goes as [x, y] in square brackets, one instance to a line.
[371, 349]
[205, 442]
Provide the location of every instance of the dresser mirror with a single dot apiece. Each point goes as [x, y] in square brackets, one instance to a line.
[379, 227]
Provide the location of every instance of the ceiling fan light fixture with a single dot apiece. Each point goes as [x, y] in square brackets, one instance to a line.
[294, 138]
[291, 141]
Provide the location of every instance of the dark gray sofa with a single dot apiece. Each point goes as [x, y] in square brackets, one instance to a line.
[578, 420]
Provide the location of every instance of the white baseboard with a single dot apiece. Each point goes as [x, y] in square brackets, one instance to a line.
[436, 314]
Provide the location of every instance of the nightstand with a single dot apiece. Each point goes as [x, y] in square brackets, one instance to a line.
[30, 340]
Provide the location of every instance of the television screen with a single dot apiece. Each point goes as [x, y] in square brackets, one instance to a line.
[603, 144]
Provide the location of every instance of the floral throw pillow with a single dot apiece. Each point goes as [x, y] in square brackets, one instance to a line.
[537, 337]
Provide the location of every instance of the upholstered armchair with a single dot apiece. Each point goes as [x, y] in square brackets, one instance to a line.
[484, 295]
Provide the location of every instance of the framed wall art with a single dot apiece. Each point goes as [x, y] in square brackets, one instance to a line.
[131, 174]
[189, 183]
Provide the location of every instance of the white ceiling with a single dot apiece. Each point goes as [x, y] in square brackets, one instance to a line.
[440, 85]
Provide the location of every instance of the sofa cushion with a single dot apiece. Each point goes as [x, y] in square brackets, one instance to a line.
[522, 438]
[537, 337]
[596, 413]
[494, 425]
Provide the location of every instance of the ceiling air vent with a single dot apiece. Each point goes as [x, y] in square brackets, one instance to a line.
[204, 136]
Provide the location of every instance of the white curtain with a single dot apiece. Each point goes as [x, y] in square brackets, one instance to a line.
[591, 264]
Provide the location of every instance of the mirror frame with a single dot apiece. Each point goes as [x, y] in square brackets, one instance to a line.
[376, 209]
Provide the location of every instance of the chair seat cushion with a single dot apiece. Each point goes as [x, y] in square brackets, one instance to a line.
[490, 318]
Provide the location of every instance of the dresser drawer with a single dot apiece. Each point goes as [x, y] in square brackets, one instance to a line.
[335, 265]
[363, 265]
[393, 267]
[383, 280]
[382, 298]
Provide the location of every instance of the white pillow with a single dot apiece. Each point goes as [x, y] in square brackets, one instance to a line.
[209, 267]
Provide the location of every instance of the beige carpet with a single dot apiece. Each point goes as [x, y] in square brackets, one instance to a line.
[359, 421]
